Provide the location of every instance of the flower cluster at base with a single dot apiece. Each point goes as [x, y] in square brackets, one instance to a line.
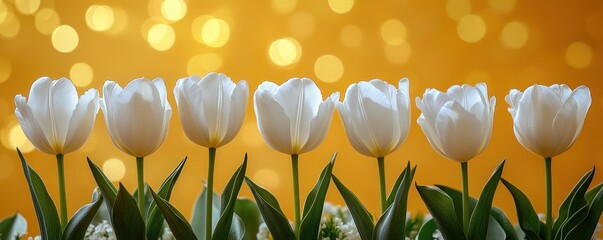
[104, 231]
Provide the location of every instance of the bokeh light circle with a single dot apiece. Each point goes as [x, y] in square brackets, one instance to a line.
[81, 74]
[65, 39]
[203, 63]
[27, 7]
[514, 35]
[173, 10]
[328, 68]
[215, 32]
[341, 6]
[471, 28]
[47, 20]
[393, 32]
[285, 51]
[579, 55]
[114, 169]
[100, 17]
[161, 37]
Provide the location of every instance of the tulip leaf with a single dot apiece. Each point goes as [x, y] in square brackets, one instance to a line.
[427, 230]
[310, 224]
[249, 213]
[457, 200]
[78, 224]
[272, 214]
[392, 194]
[590, 195]
[155, 218]
[504, 223]
[392, 223]
[229, 200]
[526, 215]
[362, 218]
[586, 227]
[177, 223]
[46, 211]
[13, 227]
[104, 185]
[126, 219]
[442, 209]
[575, 200]
[198, 219]
[478, 225]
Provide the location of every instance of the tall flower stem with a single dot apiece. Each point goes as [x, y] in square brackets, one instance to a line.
[295, 193]
[549, 194]
[466, 213]
[140, 173]
[381, 162]
[210, 193]
[62, 193]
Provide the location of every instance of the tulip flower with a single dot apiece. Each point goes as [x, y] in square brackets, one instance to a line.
[376, 118]
[293, 119]
[137, 118]
[56, 122]
[211, 111]
[547, 121]
[458, 125]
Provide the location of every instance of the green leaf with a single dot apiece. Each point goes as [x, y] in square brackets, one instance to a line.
[391, 225]
[13, 227]
[586, 228]
[362, 218]
[275, 220]
[237, 230]
[457, 200]
[249, 213]
[229, 200]
[46, 211]
[506, 225]
[574, 201]
[590, 195]
[478, 225]
[427, 230]
[126, 218]
[310, 224]
[527, 217]
[178, 224]
[198, 219]
[495, 231]
[104, 185]
[442, 209]
[155, 218]
[78, 224]
[392, 194]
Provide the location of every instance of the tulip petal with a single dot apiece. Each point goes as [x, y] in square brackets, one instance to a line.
[350, 129]
[238, 106]
[456, 129]
[30, 126]
[565, 125]
[111, 91]
[272, 121]
[82, 121]
[190, 111]
[217, 89]
[321, 123]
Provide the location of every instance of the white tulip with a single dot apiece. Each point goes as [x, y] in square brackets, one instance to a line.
[376, 116]
[458, 123]
[547, 120]
[211, 108]
[293, 118]
[137, 116]
[54, 119]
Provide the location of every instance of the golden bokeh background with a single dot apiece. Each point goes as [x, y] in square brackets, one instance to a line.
[505, 43]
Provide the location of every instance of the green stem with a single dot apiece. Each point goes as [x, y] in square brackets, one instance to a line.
[295, 194]
[62, 193]
[549, 194]
[466, 212]
[140, 173]
[381, 162]
[210, 193]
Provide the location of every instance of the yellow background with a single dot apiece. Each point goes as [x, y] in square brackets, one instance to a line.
[437, 43]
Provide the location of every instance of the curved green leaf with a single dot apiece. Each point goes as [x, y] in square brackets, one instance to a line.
[587, 226]
[249, 213]
[46, 211]
[427, 230]
[573, 202]
[590, 195]
[78, 224]
[527, 217]
[104, 185]
[362, 218]
[442, 209]
[271, 212]
[392, 223]
[13, 227]
[155, 218]
[506, 225]
[126, 218]
[229, 200]
[198, 218]
[178, 224]
[310, 224]
[478, 225]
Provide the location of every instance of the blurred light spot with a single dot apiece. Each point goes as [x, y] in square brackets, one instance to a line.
[398, 54]
[81, 74]
[393, 32]
[203, 63]
[115, 169]
[471, 28]
[478, 76]
[10, 26]
[285, 51]
[251, 135]
[7, 167]
[215, 32]
[514, 35]
[301, 25]
[3, 12]
[341, 6]
[47, 20]
[456, 9]
[64, 39]
[267, 177]
[27, 7]
[120, 22]
[100, 17]
[284, 6]
[15, 138]
[502, 6]
[5, 70]
[579, 55]
[161, 37]
[328, 68]
[173, 10]
[351, 36]
[197, 27]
